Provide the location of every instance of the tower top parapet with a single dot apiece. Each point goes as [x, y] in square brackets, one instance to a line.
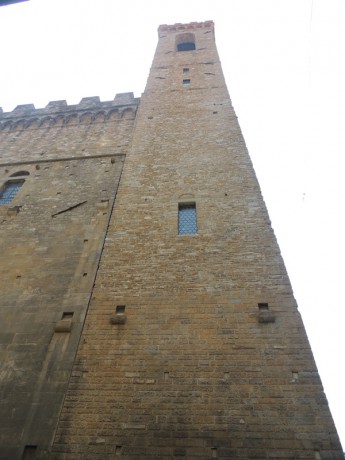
[178, 27]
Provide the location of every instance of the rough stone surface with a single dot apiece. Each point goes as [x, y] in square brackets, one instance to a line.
[192, 372]
[51, 239]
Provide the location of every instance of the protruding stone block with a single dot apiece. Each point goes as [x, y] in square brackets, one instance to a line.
[13, 211]
[64, 325]
[118, 318]
[266, 316]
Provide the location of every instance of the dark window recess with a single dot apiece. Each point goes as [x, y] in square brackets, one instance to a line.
[120, 309]
[9, 191]
[214, 451]
[263, 306]
[29, 453]
[67, 315]
[188, 46]
[185, 70]
[187, 219]
[186, 82]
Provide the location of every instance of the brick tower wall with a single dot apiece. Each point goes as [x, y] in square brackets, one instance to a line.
[207, 356]
[51, 236]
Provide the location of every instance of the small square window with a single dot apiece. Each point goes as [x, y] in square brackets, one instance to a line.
[187, 219]
[120, 309]
[186, 82]
[185, 70]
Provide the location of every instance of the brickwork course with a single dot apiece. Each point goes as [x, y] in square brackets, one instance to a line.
[123, 337]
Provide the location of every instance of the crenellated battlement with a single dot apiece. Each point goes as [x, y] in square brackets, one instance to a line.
[178, 27]
[88, 110]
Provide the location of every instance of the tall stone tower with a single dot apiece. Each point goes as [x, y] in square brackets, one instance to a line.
[192, 344]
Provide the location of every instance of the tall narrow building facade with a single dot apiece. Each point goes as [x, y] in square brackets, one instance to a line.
[175, 332]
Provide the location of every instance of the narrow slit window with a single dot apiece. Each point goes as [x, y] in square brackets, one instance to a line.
[9, 191]
[187, 219]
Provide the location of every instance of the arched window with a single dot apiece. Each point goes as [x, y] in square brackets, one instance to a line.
[185, 42]
[9, 191]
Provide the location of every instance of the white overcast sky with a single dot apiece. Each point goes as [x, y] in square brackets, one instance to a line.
[284, 64]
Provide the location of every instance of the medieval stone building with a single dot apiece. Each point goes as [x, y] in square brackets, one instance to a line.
[146, 312]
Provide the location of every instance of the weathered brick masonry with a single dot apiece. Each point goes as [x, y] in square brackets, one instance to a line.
[207, 356]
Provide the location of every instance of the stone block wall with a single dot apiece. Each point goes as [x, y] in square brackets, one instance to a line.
[51, 240]
[208, 357]
[123, 337]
